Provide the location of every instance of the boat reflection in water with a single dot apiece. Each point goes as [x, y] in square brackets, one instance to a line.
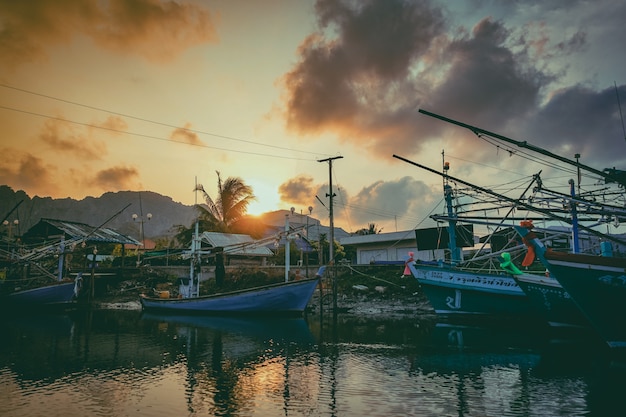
[119, 363]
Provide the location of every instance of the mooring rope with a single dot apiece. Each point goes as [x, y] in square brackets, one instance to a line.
[373, 277]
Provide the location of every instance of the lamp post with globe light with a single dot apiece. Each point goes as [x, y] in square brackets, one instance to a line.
[304, 235]
[9, 225]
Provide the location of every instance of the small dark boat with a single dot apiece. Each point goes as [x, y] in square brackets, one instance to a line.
[549, 297]
[59, 294]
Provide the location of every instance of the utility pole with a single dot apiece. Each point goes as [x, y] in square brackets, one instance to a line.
[331, 260]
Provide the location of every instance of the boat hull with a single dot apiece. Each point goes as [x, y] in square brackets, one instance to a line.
[460, 293]
[55, 295]
[549, 297]
[289, 298]
[599, 290]
[597, 285]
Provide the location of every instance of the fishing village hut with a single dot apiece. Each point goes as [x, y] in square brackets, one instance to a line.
[75, 246]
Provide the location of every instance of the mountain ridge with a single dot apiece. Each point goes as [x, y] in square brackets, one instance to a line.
[111, 209]
[116, 209]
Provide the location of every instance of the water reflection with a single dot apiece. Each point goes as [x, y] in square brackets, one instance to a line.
[118, 363]
[228, 361]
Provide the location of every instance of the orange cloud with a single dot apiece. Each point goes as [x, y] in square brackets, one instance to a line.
[114, 124]
[27, 172]
[156, 30]
[184, 134]
[116, 178]
[61, 136]
[297, 190]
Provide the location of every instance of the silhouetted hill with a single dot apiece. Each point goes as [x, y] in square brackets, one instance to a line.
[166, 213]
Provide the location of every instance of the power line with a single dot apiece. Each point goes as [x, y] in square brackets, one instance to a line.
[200, 132]
[143, 135]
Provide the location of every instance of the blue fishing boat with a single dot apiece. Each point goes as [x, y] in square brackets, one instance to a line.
[285, 298]
[456, 290]
[597, 285]
[572, 271]
[288, 298]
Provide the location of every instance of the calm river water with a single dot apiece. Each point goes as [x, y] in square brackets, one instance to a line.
[124, 363]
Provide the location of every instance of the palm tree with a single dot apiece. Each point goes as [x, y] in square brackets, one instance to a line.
[230, 206]
[371, 230]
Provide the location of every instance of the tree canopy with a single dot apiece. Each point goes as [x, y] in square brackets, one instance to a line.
[226, 212]
[229, 206]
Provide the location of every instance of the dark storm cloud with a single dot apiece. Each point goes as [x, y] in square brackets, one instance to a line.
[356, 84]
[156, 30]
[581, 120]
[371, 65]
[486, 82]
[391, 58]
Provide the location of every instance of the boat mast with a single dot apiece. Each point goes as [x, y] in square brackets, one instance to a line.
[609, 175]
[526, 206]
[455, 252]
[195, 267]
[575, 243]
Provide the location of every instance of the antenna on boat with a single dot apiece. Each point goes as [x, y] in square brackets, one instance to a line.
[194, 271]
[455, 252]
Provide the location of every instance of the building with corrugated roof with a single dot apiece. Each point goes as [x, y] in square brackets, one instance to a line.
[238, 249]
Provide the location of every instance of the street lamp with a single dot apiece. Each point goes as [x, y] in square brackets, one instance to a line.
[304, 235]
[9, 225]
[139, 218]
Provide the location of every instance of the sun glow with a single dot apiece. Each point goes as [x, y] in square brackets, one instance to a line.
[266, 198]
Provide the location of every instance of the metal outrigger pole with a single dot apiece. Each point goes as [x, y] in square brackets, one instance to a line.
[608, 174]
[526, 206]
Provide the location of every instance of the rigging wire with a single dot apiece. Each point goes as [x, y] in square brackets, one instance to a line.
[524, 154]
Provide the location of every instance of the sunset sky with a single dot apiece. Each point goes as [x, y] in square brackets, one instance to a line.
[115, 95]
